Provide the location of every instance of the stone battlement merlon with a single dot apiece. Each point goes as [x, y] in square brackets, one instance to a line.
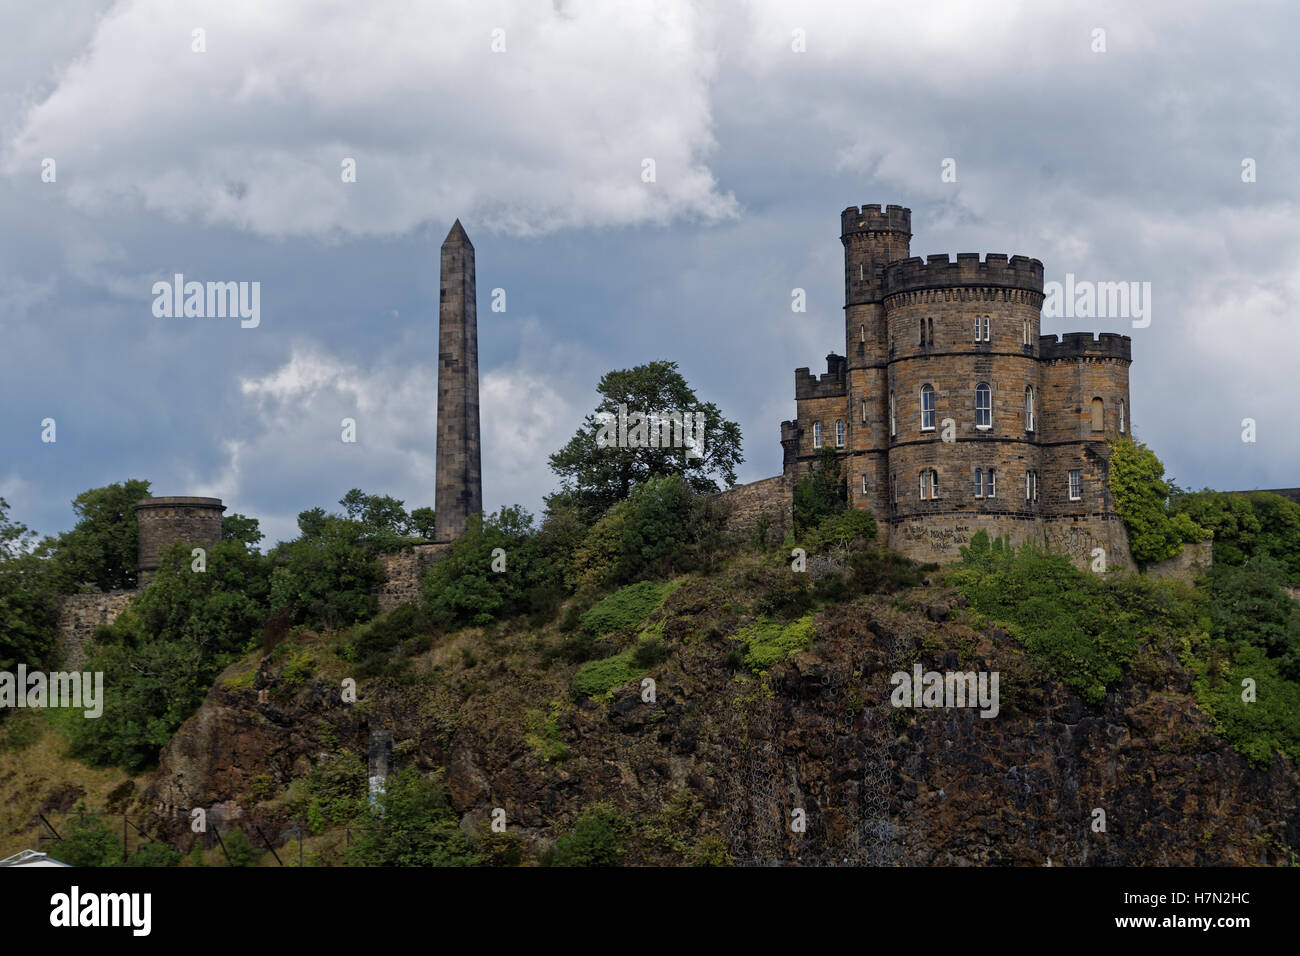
[938, 272]
[1109, 345]
[807, 385]
[870, 219]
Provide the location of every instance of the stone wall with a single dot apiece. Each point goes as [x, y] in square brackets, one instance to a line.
[771, 496]
[403, 571]
[1193, 559]
[78, 616]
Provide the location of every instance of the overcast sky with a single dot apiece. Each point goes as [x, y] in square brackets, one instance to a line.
[225, 165]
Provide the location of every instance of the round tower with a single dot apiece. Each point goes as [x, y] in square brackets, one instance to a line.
[872, 239]
[962, 344]
[163, 521]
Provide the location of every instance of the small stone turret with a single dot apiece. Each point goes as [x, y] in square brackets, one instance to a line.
[162, 521]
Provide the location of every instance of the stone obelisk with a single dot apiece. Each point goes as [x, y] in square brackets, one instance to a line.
[459, 483]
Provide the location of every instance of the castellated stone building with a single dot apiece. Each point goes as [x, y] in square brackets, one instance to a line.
[951, 414]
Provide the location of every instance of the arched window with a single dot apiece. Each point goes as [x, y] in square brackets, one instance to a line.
[979, 482]
[930, 338]
[864, 484]
[864, 411]
[983, 406]
[977, 328]
[1121, 416]
[817, 434]
[839, 434]
[1026, 339]
[921, 340]
[986, 328]
[862, 333]
[893, 420]
[927, 408]
[1098, 415]
[1029, 408]
[990, 484]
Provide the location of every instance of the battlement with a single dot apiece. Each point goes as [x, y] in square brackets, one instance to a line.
[871, 219]
[829, 385]
[937, 272]
[1083, 345]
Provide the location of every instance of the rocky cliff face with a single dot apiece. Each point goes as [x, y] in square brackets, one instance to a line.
[723, 756]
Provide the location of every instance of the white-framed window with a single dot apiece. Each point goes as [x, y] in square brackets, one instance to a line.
[1076, 486]
[839, 433]
[1121, 416]
[817, 434]
[893, 418]
[927, 408]
[979, 482]
[990, 484]
[986, 328]
[864, 484]
[862, 333]
[977, 328]
[983, 406]
[929, 484]
[864, 411]
[1029, 408]
[1031, 486]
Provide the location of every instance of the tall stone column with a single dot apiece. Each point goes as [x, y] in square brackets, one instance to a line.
[459, 483]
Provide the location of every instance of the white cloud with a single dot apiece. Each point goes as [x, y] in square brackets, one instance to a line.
[549, 134]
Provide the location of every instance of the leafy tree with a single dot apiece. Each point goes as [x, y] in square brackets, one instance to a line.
[821, 493]
[88, 840]
[101, 549]
[383, 519]
[593, 479]
[1247, 525]
[328, 574]
[27, 597]
[423, 522]
[476, 583]
[162, 654]
[241, 528]
[1250, 605]
[1137, 483]
[415, 826]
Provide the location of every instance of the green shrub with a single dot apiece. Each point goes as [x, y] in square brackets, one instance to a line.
[415, 826]
[1257, 729]
[626, 607]
[819, 494]
[841, 529]
[373, 645]
[1250, 606]
[154, 854]
[238, 850]
[1070, 619]
[1137, 483]
[595, 840]
[600, 677]
[88, 840]
[768, 642]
